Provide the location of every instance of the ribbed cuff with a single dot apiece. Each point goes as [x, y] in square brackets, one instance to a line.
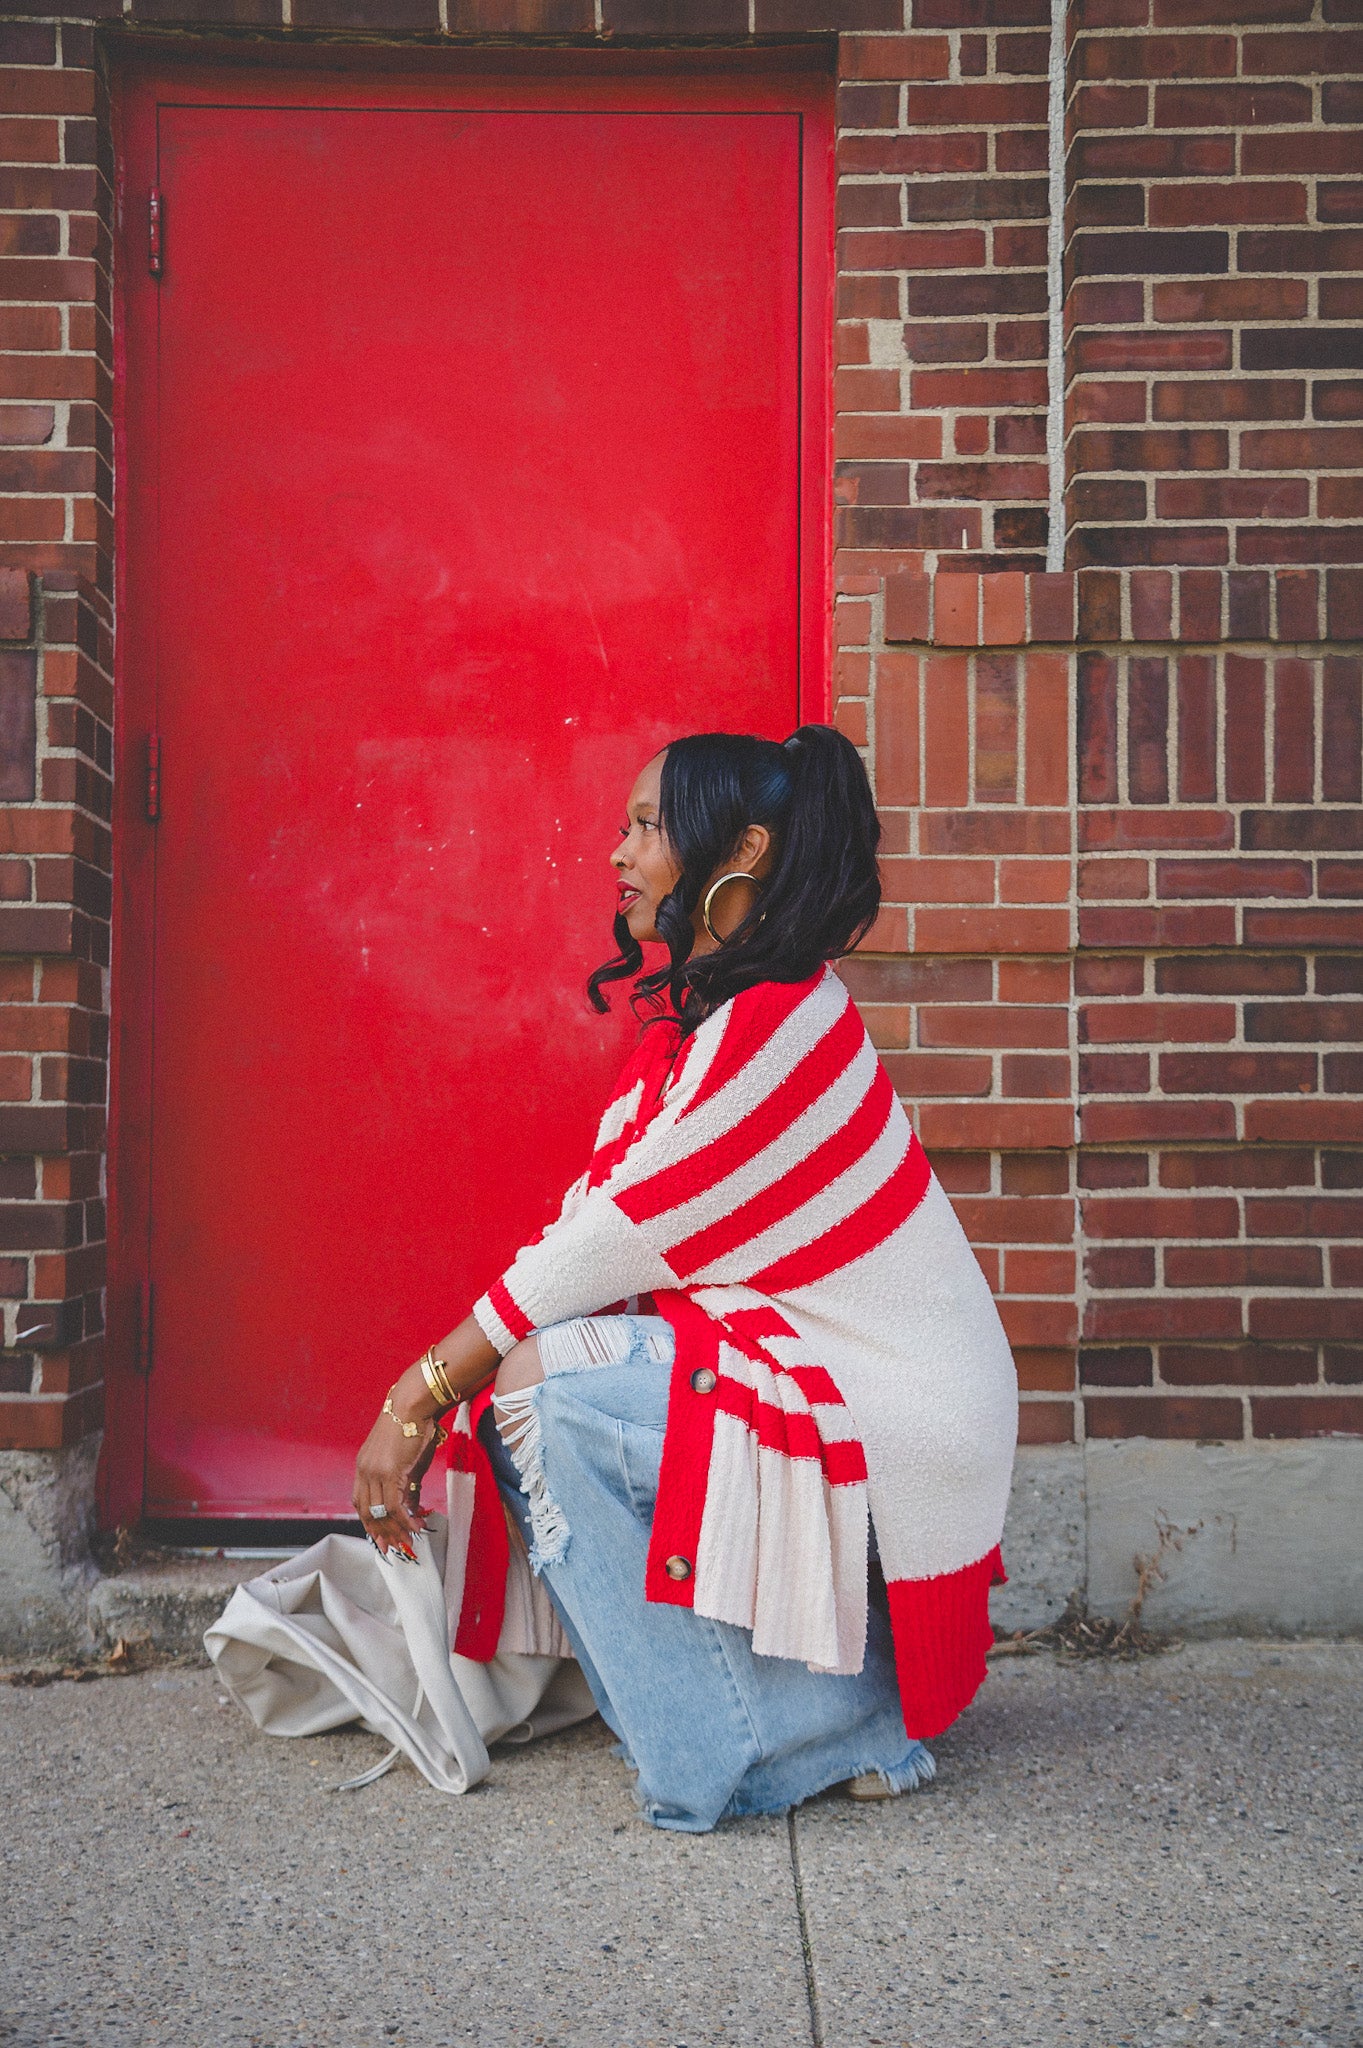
[492, 1326]
[941, 1637]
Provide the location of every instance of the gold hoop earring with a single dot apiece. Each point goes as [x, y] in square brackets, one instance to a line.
[738, 875]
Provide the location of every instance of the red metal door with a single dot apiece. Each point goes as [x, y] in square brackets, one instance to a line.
[465, 441]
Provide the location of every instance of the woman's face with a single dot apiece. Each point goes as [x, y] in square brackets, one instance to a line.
[645, 871]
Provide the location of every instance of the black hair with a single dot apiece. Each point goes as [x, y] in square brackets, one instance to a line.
[820, 898]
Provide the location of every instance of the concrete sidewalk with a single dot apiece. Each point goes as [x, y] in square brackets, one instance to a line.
[1166, 1851]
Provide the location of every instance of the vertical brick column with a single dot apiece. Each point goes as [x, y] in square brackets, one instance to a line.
[55, 535]
[967, 991]
[1213, 301]
[54, 934]
[1219, 978]
[953, 667]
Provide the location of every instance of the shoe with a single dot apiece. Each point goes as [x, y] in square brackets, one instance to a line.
[870, 1785]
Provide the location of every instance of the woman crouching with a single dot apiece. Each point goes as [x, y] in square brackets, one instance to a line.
[748, 1398]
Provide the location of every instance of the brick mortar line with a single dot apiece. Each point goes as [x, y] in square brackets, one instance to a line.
[1057, 388]
[1119, 650]
[1082, 1290]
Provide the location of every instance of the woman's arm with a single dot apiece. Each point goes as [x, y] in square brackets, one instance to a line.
[392, 1463]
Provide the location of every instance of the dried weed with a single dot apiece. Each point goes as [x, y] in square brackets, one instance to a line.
[124, 1660]
[1079, 1634]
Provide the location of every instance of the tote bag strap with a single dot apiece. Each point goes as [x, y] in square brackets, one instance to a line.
[418, 1595]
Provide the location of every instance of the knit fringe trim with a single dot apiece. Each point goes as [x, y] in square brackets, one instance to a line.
[517, 1415]
[591, 1341]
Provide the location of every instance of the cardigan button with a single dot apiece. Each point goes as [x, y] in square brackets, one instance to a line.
[678, 1567]
[704, 1381]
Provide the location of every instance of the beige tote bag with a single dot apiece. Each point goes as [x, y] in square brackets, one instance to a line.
[340, 1634]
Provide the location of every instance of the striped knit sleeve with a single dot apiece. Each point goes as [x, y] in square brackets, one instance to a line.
[590, 1259]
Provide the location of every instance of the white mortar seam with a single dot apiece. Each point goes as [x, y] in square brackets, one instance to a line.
[1055, 292]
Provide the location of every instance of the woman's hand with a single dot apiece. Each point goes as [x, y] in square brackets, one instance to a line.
[392, 1464]
[389, 1472]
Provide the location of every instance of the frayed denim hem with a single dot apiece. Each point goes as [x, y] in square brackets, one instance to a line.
[918, 1768]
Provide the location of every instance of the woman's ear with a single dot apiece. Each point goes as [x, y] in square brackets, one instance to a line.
[754, 851]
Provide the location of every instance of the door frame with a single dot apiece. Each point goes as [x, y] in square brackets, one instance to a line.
[550, 82]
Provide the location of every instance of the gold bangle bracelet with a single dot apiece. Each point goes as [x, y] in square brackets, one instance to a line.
[434, 1373]
[428, 1373]
[442, 1377]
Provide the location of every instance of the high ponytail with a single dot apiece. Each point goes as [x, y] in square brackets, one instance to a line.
[823, 892]
[826, 883]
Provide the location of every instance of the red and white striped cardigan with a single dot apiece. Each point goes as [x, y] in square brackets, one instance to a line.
[837, 1347]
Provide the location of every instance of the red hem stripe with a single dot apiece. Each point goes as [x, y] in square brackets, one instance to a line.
[942, 1634]
[816, 1383]
[483, 1608]
[844, 1464]
[758, 1323]
[792, 1434]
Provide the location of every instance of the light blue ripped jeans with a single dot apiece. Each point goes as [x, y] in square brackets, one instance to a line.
[712, 1730]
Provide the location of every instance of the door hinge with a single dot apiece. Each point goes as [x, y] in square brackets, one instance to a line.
[146, 1324]
[153, 776]
[155, 217]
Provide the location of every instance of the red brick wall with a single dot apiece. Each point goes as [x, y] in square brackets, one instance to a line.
[1217, 742]
[1217, 1078]
[1220, 1074]
[942, 293]
[56, 495]
[1216, 236]
[54, 1023]
[1118, 973]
